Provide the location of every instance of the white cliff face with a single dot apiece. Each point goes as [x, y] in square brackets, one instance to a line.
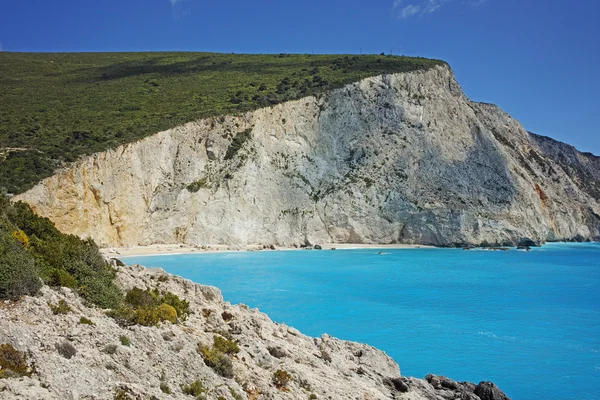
[403, 158]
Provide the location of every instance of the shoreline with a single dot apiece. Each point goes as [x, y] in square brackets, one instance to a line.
[179, 249]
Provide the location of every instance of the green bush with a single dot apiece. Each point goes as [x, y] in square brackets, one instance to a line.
[124, 340]
[181, 306]
[153, 315]
[165, 388]
[110, 349]
[18, 275]
[13, 363]
[61, 308]
[86, 321]
[225, 346]
[56, 258]
[197, 185]
[61, 278]
[216, 360]
[140, 298]
[148, 307]
[193, 389]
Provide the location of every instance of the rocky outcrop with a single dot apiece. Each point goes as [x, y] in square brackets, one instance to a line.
[75, 360]
[403, 158]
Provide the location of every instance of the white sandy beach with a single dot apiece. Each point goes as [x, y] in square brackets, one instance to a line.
[171, 249]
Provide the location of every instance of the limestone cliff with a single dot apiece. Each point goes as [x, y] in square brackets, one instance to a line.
[403, 158]
[99, 359]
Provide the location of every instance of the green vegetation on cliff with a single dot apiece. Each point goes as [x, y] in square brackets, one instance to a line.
[33, 251]
[55, 107]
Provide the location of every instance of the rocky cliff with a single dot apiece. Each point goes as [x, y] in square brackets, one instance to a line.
[403, 158]
[74, 358]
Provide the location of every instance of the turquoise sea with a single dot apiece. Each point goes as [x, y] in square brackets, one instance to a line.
[530, 322]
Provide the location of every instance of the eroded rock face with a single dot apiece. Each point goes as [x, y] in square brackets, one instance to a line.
[102, 367]
[403, 158]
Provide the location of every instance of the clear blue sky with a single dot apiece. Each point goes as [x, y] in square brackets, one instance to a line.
[538, 60]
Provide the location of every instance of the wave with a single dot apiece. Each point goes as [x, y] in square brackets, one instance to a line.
[540, 341]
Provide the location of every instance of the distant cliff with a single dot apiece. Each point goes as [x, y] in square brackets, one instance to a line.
[401, 158]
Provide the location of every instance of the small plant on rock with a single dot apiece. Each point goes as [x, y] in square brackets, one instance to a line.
[218, 361]
[110, 349]
[281, 379]
[234, 394]
[193, 389]
[165, 388]
[86, 321]
[13, 363]
[124, 340]
[225, 346]
[61, 308]
[149, 307]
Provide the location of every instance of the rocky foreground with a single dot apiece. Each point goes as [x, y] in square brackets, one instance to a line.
[75, 358]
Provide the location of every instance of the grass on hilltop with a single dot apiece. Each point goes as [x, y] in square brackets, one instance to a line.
[55, 107]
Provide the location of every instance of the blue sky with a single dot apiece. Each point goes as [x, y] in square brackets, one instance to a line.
[538, 60]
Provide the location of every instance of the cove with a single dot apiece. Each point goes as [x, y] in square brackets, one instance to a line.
[527, 321]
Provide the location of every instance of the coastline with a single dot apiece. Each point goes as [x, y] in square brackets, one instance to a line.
[178, 249]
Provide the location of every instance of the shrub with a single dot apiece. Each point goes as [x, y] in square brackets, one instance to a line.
[281, 379]
[234, 394]
[101, 290]
[85, 321]
[18, 275]
[110, 349]
[193, 389]
[181, 306]
[32, 248]
[137, 297]
[197, 185]
[61, 308]
[148, 307]
[66, 349]
[165, 388]
[13, 363]
[61, 278]
[154, 315]
[225, 346]
[312, 396]
[21, 237]
[216, 360]
[124, 340]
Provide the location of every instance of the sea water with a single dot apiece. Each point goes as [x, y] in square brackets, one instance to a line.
[527, 321]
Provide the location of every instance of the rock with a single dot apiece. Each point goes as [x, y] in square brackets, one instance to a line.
[526, 242]
[393, 158]
[434, 381]
[398, 384]
[317, 247]
[489, 391]
[277, 352]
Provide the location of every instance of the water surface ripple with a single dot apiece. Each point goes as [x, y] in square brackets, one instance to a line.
[530, 322]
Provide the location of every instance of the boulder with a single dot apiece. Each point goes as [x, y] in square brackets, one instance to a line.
[489, 391]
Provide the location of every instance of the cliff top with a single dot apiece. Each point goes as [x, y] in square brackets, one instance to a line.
[59, 106]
